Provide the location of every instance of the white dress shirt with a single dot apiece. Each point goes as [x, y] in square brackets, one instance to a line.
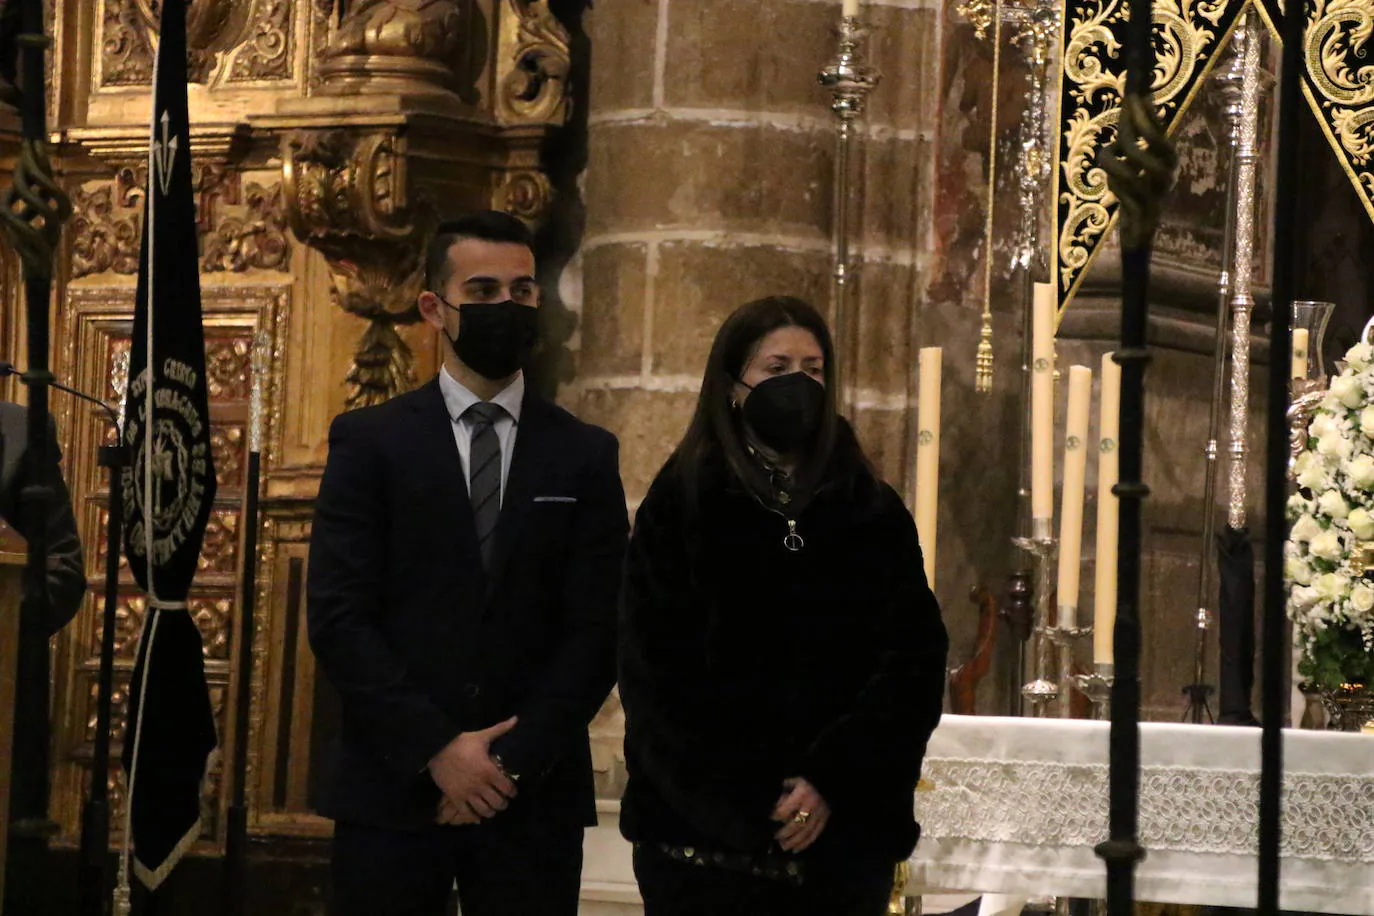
[458, 399]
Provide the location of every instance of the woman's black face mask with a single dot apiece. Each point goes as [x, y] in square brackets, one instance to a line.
[785, 411]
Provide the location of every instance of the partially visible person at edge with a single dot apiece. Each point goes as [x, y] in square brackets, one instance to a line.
[782, 657]
[464, 571]
[66, 569]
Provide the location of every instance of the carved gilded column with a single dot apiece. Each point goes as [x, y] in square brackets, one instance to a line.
[400, 133]
[348, 197]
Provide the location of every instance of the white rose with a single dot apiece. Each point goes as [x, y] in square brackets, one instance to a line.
[1362, 523]
[1326, 545]
[1305, 529]
[1323, 424]
[1314, 478]
[1333, 504]
[1299, 506]
[1347, 390]
[1361, 471]
[1362, 598]
[1360, 356]
[1303, 597]
[1334, 445]
[1331, 586]
[1297, 570]
[1367, 421]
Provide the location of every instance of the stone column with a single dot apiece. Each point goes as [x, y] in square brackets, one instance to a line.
[709, 184]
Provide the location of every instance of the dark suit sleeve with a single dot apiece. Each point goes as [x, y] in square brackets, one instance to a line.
[881, 740]
[66, 567]
[582, 671]
[403, 725]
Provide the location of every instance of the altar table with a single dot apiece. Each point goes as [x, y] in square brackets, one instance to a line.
[1015, 806]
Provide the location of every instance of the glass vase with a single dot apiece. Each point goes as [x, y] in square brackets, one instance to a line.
[1313, 317]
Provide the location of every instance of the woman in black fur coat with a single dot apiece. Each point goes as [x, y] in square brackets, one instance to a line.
[782, 658]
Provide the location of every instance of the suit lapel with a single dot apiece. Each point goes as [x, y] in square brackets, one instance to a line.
[450, 493]
[531, 445]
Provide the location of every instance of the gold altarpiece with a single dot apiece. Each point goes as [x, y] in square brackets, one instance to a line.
[327, 135]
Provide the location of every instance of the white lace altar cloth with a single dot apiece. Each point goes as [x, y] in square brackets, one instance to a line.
[1017, 806]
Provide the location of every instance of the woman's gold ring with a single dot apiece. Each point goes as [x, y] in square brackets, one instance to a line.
[801, 817]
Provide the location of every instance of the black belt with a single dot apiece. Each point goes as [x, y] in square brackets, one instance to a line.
[769, 865]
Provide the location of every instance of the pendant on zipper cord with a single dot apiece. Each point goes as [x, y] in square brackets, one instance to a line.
[793, 541]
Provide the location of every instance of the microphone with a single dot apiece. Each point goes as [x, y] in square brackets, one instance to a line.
[8, 368]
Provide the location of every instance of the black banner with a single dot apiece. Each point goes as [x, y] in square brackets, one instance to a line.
[169, 488]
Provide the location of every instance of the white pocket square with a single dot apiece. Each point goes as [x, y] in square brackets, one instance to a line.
[555, 499]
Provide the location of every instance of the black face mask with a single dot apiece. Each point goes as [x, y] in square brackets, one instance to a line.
[494, 338]
[785, 411]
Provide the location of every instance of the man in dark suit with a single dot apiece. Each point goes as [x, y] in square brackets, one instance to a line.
[66, 569]
[464, 571]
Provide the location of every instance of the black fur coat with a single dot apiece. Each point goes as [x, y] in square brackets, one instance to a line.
[743, 663]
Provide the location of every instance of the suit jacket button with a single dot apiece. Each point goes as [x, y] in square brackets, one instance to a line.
[472, 691]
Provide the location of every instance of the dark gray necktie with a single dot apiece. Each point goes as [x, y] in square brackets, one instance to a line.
[484, 481]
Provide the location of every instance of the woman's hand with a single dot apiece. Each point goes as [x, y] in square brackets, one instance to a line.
[802, 812]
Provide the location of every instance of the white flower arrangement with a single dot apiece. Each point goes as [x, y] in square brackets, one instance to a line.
[1330, 602]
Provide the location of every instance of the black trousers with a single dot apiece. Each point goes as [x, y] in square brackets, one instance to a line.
[519, 867]
[674, 888]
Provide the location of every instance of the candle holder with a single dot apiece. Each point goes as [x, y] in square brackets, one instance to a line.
[850, 80]
[1064, 638]
[1041, 691]
[1097, 687]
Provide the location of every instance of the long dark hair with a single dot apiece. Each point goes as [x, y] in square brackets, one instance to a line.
[715, 438]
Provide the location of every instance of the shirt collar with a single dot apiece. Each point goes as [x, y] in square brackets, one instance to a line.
[458, 397]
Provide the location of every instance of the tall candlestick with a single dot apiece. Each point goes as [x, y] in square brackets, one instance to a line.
[851, 8]
[1071, 501]
[1299, 353]
[1108, 511]
[1042, 404]
[928, 455]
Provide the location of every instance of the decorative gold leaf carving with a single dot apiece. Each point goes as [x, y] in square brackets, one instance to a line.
[347, 195]
[119, 709]
[214, 618]
[228, 368]
[219, 553]
[526, 193]
[267, 52]
[254, 239]
[226, 449]
[212, 27]
[535, 63]
[105, 238]
[243, 227]
[1340, 85]
[126, 55]
[396, 44]
[1187, 35]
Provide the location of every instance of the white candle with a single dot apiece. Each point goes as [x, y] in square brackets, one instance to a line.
[928, 455]
[1042, 402]
[1299, 353]
[1108, 512]
[851, 8]
[1071, 500]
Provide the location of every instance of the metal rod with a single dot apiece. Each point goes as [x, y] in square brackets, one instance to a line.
[1242, 270]
[1287, 179]
[850, 81]
[236, 849]
[36, 208]
[234, 898]
[1231, 78]
[95, 823]
[1122, 851]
